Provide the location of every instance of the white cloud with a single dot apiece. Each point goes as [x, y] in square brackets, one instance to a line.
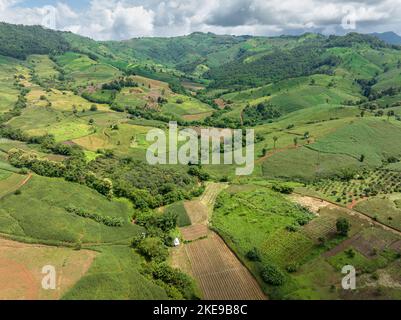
[106, 20]
[123, 19]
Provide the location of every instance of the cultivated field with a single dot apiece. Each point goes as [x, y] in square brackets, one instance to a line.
[325, 192]
[218, 272]
[21, 270]
[220, 275]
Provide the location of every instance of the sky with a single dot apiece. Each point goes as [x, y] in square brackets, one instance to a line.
[125, 19]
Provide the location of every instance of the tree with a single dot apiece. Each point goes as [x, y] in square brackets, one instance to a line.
[275, 139]
[197, 171]
[343, 226]
[296, 141]
[283, 188]
[253, 255]
[153, 249]
[272, 275]
[264, 152]
[93, 108]
[362, 158]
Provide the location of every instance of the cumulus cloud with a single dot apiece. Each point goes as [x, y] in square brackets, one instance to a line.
[124, 19]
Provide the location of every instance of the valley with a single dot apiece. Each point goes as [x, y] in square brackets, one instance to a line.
[77, 192]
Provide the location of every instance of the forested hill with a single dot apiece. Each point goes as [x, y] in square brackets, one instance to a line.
[389, 37]
[20, 41]
[220, 60]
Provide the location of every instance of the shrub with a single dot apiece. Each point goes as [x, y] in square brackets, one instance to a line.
[272, 275]
[282, 188]
[291, 228]
[199, 173]
[293, 267]
[350, 253]
[253, 255]
[107, 221]
[173, 278]
[153, 249]
[343, 226]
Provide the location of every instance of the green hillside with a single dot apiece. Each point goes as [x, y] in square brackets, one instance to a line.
[75, 115]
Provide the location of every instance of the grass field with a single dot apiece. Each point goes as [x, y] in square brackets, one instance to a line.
[338, 145]
[315, 268]
[85, 71]
[179, 209]
[68, 101]
[64, 130]
[5, 166]
[10, 182]
[179, 105]
[43, 67]
[385, 209]
[4, 174]
[36, 118]
[305, 164]
[373, 138]
[218, 272]
[300, 93]
[128, 139]
[8, 93]
[241, 216]
[23, 215]
[115, 275]
[356, 63]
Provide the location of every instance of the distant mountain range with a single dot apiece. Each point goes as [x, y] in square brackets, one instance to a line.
[388, 37]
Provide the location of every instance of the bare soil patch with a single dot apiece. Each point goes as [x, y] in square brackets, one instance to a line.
[21, 270]
[196, 117]
[344, 245]
[221, 103]
[312, 204]
[195, 232]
